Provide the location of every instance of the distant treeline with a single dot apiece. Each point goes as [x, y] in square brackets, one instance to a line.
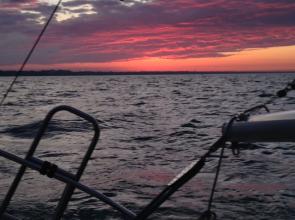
[92, 73]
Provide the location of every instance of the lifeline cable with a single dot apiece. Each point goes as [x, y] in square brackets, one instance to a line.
[30, 53]
[279, 94]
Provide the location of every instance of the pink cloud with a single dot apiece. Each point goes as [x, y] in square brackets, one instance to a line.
[163, 28]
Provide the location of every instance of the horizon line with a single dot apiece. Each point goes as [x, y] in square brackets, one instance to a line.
[153, 71]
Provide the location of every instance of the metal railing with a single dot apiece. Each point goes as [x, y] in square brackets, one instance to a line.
[52, 171]
[72, 180]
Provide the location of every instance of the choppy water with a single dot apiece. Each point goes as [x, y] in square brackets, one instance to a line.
[152, 127]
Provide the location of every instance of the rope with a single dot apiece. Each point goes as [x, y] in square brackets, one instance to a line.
[30, 53]
[208, 214]
[215, 179]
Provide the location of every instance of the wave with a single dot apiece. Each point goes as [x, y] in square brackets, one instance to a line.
[55, 127]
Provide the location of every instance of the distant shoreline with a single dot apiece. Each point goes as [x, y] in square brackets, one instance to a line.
[4, 73]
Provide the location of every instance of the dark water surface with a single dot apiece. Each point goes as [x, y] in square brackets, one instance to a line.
[152, 128]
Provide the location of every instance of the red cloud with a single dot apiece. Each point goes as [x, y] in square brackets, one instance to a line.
[17, 4]
[167, 29]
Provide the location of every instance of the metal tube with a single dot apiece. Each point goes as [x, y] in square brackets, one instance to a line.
[65, 177]
[262, 131]
[63, 203]
[69, 189]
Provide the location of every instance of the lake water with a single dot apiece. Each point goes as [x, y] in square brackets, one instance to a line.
[152, 128]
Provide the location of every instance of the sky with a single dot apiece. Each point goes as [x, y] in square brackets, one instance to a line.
[150, 35]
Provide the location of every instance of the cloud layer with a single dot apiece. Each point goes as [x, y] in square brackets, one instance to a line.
[111, 30]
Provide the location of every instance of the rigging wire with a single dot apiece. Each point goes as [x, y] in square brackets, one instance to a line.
[30, 53]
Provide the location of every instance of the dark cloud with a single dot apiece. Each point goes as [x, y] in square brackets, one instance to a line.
[17, 1]
[155, 28]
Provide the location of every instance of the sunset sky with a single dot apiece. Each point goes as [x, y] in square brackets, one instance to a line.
[149, 35]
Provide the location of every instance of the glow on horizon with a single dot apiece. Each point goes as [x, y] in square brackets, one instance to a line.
[150, 35]
[259, 59]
